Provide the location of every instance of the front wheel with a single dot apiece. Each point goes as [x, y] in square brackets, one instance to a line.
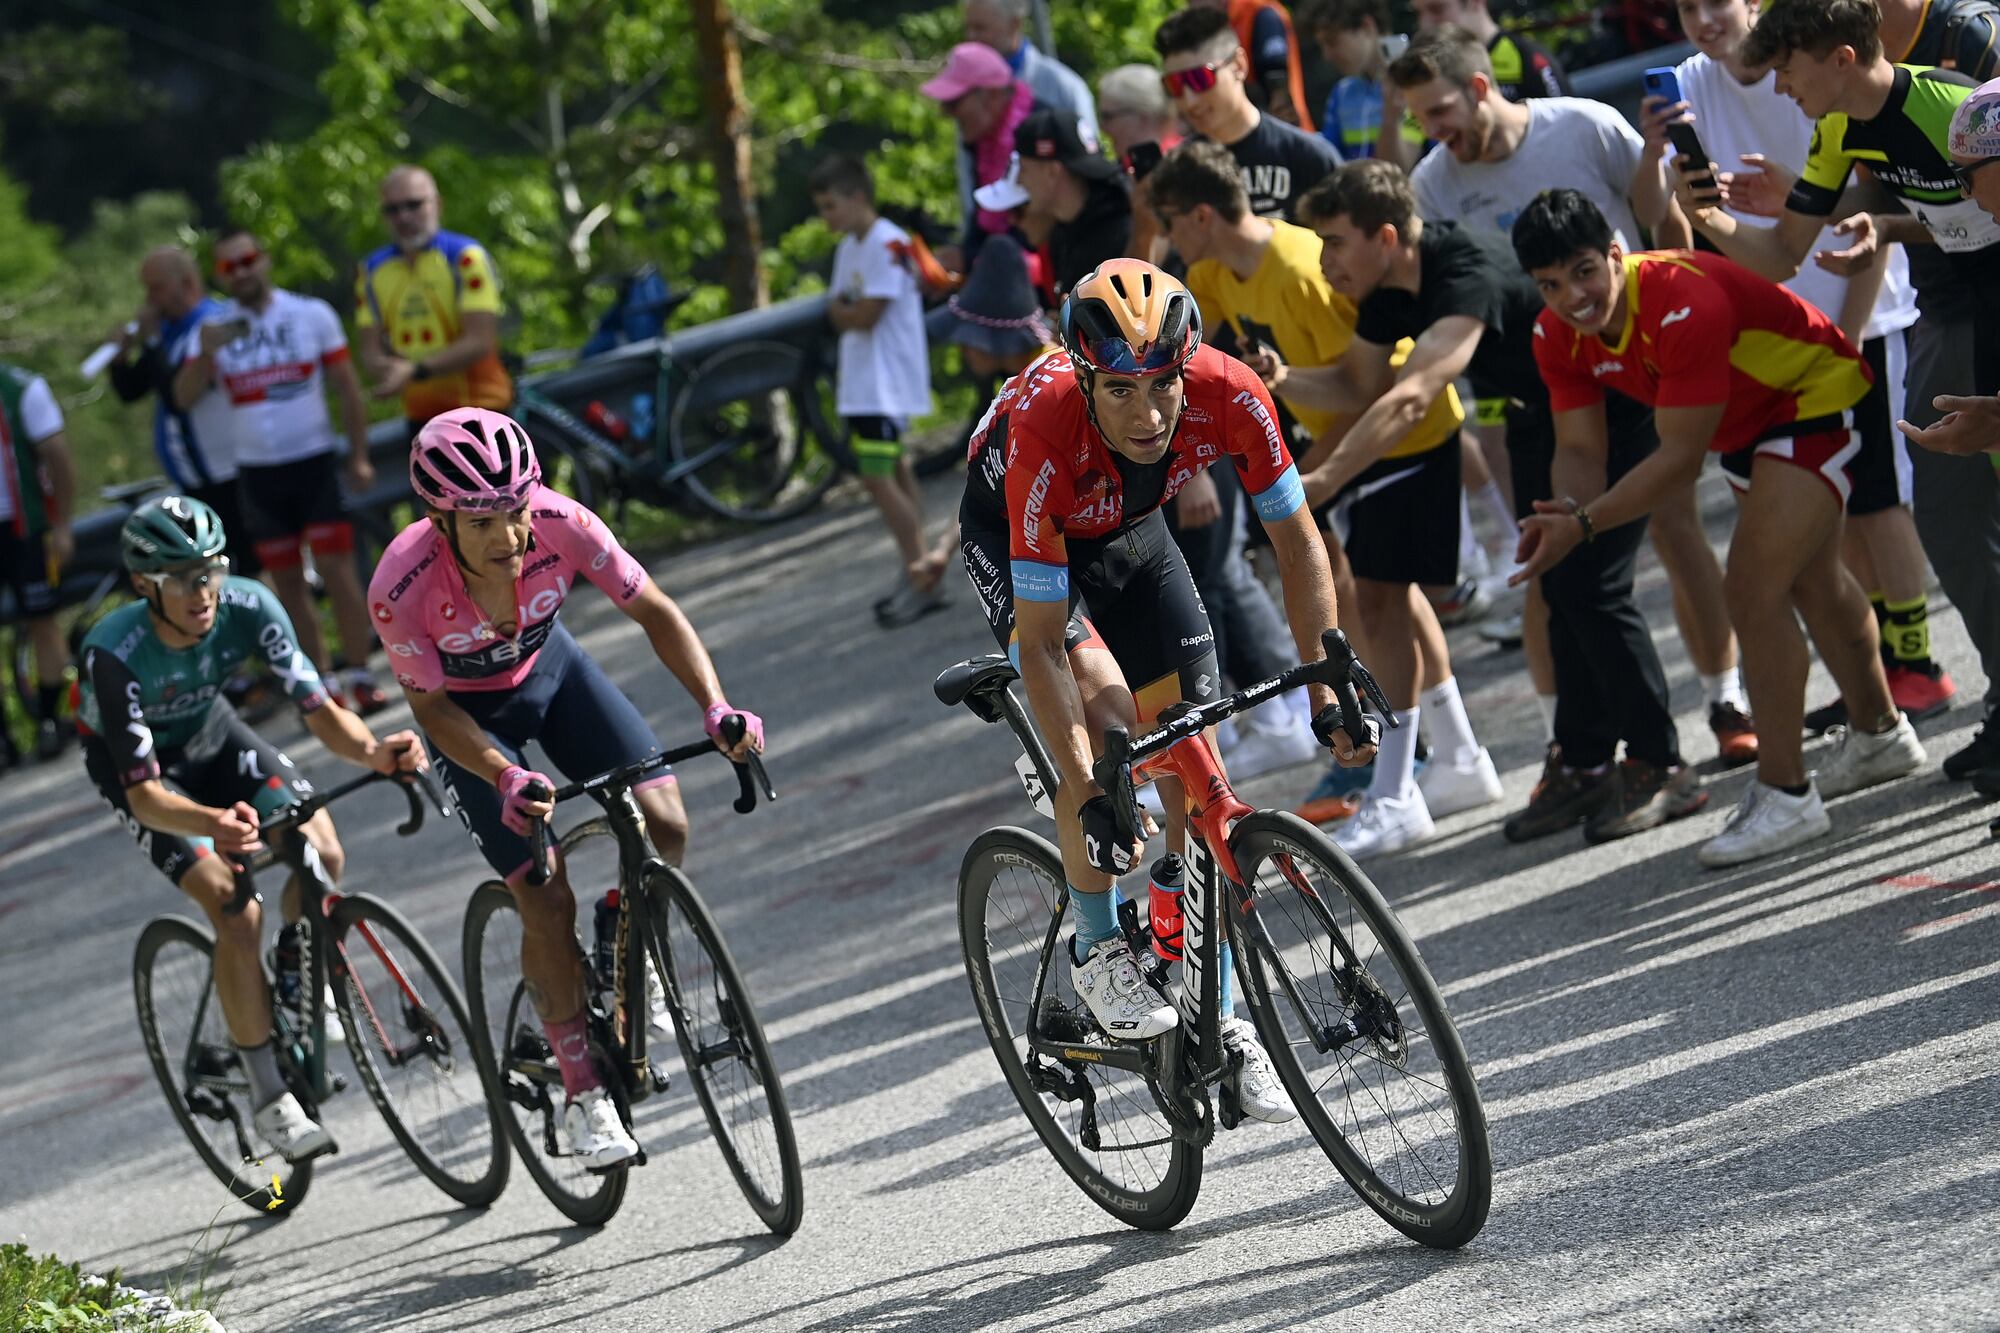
[722, 1042]
[180, 1017]
[526, 1081]
[752, 433]
[1358, 1032]
[411, 1042]
[1103, 1125]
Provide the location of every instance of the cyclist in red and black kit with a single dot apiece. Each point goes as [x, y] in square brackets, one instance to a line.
[1063, 537]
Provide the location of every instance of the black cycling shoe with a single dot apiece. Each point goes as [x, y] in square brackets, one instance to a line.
[49, 739]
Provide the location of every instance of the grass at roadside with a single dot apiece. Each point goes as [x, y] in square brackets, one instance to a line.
[46, 1293]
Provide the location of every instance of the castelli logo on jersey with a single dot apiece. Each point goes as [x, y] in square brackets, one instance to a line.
[448, 611]
[383, 613]
[407, 682]
[583, 518]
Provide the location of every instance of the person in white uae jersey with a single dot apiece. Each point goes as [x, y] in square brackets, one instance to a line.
[271, 358]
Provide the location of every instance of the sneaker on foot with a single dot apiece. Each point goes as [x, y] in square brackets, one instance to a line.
[1269, 738]
[1336, 795]
[1502, 631]
[365, 695]
[285, 1125]
[596, 1136]
[910, 605]
[1258, 1090]
[1645, 796]
[1766, 822]
[1859, 759]
[1385, 825]
[1564, 798]
[1921, 692]
[659, 1018]
[1466, 603]
[1981, 752]
[50, 739]
[1735, 734]
[1122, 1001]
[1451, 787]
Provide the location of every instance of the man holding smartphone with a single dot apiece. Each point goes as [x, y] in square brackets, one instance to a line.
[1718, 107]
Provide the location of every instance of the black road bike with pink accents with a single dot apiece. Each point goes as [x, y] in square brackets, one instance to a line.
[1353, 1022]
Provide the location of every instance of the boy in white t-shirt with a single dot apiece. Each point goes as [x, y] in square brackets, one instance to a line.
[1743, 119]
[885, 369]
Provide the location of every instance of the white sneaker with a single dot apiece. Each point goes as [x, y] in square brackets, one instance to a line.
[1122, 1001]
[1269, 738]
[1386, 824]
[1767, 821]
[285, 1125]
[1258, 1090]
[1859, 759]
[1450, 788]
[596, 1136]
[1503, 630]
[659, 1019]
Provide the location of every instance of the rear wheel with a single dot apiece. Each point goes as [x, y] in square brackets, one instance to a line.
[1359, 1033]
[728, 1059]
[410, 1039]
[1102, 1124]
[753, 428]
[526, 1081]
[180, 1017]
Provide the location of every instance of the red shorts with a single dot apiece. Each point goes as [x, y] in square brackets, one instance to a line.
[1825, 447]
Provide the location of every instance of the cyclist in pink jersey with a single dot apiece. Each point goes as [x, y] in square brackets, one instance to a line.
[466, 601]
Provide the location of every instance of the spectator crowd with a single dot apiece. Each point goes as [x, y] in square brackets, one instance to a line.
[1483, 304]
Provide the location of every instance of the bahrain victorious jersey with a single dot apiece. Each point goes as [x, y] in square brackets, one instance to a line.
[1043, 471]
[1700, 330]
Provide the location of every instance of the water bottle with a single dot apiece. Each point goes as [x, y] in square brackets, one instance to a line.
[606, 421]
[285, 962]
[606, 953]
[642, 419]
[1164, 885]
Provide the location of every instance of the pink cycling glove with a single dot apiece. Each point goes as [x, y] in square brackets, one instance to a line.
[711, 722]
[513, 784]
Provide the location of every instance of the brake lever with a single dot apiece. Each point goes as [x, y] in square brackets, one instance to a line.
[750, 774]
[1113, 772]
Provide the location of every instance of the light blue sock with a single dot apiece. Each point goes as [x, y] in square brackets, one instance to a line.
[1096, 916]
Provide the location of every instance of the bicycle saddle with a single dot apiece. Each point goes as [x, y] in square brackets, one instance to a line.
[972, 678]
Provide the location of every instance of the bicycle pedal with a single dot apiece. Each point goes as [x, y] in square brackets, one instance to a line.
[661, 1080]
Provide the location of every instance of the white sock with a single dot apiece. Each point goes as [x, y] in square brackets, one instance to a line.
[1496, 506]
[1726, 688]
[1451, 729]
[1471, 555]
[1547, 703]
[1396, 761]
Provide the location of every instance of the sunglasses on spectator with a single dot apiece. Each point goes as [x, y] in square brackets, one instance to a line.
[1197, 80]
[1966, 172]
[392, 207]
[225, 267]
[189, 580]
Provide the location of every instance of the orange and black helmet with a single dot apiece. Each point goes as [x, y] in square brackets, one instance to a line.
[1127, 317]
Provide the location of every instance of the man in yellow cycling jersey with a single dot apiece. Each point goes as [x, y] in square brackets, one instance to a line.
[427, 308]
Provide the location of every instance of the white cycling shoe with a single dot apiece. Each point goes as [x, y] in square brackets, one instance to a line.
[596, 1136]
[1258, 1090]
[1122, 1001]
[285, 1125]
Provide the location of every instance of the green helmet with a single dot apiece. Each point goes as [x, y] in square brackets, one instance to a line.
[170, 532]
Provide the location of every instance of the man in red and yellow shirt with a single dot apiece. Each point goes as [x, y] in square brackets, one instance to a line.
[1736, 365]
[427, 309]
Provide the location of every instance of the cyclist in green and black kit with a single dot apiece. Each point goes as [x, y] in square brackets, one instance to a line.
[1895, 121]
[152, 711]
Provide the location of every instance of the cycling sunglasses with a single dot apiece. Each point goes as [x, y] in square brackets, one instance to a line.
[1968, 170]
[1197, 80]
[225, 267]
[188, 581]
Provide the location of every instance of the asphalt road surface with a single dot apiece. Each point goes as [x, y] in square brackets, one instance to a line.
[1767, 1097]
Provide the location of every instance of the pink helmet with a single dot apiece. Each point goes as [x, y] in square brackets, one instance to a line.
[473, 460]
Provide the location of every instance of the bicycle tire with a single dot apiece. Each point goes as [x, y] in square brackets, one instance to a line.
[1288, 908]
[1025, 920]
[744, 468]
[467, 1157]
[263, 1186]
[695, 964]
[586, 1199]
[550, 438]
